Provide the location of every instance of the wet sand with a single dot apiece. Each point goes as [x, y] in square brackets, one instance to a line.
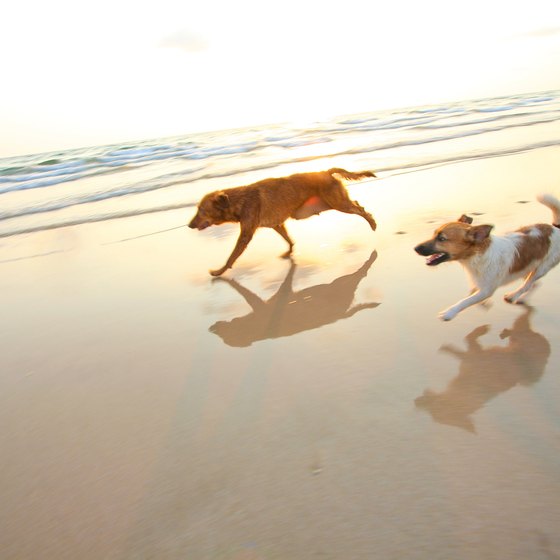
[314, 408]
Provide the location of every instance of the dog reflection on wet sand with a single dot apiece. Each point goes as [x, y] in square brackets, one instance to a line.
[288, 312]
[484, 373]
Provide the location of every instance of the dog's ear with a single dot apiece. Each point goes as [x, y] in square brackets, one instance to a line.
[464, 219]
[221, 201]
[477, 234]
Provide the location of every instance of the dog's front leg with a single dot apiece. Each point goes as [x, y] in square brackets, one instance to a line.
[246, 234]
[477, 297]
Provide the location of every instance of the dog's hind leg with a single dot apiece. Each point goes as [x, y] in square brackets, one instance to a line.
[352, 207]
[281, 229]
[532, 277]
[337, 199]
[513, 297]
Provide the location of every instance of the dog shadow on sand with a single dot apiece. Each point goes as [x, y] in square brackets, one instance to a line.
[287, 312]
[485, 372]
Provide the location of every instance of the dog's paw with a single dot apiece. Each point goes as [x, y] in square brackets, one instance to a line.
[511, 298]
[447, 315]
[218, 272]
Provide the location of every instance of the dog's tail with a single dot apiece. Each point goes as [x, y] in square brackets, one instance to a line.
[554, 204]
[350, 175]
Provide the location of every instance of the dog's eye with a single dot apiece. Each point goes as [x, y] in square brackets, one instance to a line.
[441, 238]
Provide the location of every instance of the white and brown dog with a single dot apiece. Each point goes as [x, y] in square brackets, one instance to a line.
[493, 261]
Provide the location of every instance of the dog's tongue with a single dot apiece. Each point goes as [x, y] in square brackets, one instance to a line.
[433, 258]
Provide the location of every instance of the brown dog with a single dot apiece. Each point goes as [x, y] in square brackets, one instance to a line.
[269, 203]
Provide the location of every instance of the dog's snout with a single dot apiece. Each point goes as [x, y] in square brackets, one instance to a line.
[422, 249]
[199, 223]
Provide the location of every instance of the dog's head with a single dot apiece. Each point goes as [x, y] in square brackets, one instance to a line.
[212, 210]
[455, 241]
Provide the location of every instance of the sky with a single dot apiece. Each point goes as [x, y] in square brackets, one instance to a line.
[79, 74]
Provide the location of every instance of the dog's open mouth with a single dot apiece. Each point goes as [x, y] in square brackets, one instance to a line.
[437, 258]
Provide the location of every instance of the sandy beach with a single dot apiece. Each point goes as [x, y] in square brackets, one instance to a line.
[307, 409]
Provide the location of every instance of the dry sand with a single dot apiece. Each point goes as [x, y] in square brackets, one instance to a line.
[308, 410]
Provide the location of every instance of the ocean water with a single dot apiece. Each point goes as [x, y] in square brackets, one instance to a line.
[57, 189]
